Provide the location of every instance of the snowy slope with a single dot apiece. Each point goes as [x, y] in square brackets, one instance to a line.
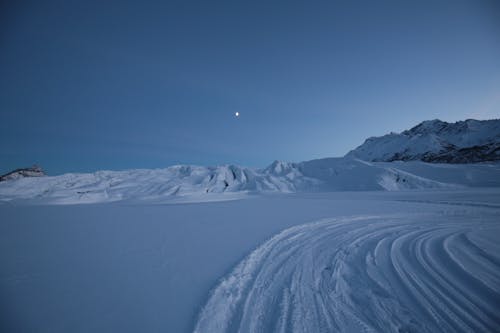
[223, 182]
[436, 141]
[345, 174]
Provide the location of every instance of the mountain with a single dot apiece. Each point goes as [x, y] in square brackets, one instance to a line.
[436, 141]
[34, 171]
[392, 162]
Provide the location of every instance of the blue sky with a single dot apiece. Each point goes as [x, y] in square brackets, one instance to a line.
[89, 85]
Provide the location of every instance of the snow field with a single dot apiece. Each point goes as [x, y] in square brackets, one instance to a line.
[380, 260]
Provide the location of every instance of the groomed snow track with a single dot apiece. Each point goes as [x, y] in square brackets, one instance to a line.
[421, 273]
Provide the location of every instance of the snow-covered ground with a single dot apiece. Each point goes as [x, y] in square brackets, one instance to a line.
[426, 260]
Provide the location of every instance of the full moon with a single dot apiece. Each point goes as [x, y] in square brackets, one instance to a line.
[237, 114]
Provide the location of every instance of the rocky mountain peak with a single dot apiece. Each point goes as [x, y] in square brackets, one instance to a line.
[34, 171]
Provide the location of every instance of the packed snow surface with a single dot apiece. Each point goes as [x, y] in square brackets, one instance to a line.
[426, 261]
[197, 183]
[393, 273]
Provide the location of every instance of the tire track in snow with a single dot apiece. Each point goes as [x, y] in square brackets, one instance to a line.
[420, 273]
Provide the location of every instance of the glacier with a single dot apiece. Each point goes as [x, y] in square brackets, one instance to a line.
[198, 183]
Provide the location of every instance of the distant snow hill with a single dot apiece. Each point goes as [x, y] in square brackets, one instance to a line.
[196, 183]
[436, 141]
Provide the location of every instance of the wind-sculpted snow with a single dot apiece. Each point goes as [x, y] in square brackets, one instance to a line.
[197, 183]
[204, 183]
[421, 273]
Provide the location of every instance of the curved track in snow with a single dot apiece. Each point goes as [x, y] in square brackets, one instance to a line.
[422, 273]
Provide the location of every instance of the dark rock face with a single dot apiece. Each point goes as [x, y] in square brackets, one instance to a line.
[474, 154]
[34, 171]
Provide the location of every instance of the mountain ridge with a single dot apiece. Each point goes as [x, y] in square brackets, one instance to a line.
[436, 141]
[33, 171]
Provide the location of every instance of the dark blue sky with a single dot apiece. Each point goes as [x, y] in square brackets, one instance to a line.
[89, 85]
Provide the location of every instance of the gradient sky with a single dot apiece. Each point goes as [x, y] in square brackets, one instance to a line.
[89, 85]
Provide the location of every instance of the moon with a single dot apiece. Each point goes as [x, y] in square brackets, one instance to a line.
[237, 114]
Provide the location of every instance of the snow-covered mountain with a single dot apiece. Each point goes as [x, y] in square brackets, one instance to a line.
[34, 171]
[436, 141]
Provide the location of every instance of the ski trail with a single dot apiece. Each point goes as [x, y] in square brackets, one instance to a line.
[422, 273]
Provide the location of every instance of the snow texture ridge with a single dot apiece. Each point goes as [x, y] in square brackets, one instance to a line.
[422, 273]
